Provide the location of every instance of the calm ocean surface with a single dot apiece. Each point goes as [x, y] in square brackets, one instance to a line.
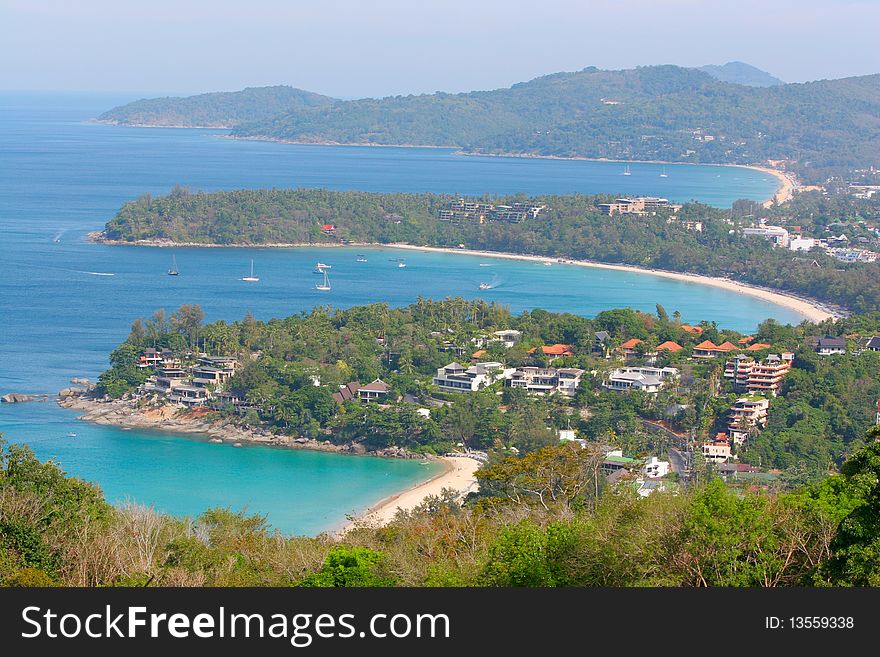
[59, 317]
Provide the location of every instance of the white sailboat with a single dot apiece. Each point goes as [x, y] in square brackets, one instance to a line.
[362, 258]
[320, 267]
[626, 171]
[325, 286]
[173, 271]
[251, 278]
[400, 263]
[663, 174]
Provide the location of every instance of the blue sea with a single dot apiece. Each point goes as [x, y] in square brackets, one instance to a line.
[65, 303]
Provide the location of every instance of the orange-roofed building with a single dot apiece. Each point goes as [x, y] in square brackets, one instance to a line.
[746, 339]
[706, 349]
[555, 350]
[758, 346]
[478, 354]
[669, 345]
[727, 347]
[628, 348]
[693, 330]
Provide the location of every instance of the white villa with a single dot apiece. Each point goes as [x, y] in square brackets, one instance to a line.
[455, 377]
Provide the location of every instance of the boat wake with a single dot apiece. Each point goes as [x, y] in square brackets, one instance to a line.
[95, 273]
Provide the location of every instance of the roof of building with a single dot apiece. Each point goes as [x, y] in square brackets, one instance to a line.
[479, 353]
[873, 343]
[830, 341]
[602, 336]
[727, 346]
[758, 346]
[693, 330]
[347, 391]
[645, 379]
[378, 385]
[745, 340]
[707, 345]
[631, 343]
[669, 345]
[554, 349]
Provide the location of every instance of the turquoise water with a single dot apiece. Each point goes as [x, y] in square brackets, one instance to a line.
[61, 177]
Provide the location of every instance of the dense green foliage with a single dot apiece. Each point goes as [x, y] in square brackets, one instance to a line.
[572, 227]
[825, 534]
[822, 127]
[215, 110]
[824, 407]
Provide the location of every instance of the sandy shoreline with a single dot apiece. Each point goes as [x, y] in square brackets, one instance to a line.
[458, 475]
[812, 310]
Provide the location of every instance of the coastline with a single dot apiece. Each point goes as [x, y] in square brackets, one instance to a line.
[809, 308]
[458, 475]
[126, 414]
[785, 191]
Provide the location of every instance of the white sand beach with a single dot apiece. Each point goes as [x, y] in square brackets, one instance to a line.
[458, 475]
[810, 309]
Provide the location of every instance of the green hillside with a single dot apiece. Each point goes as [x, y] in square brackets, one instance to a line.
[217, 110]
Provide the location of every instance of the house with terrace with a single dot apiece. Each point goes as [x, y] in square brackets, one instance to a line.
[547, 380]
[455, 377]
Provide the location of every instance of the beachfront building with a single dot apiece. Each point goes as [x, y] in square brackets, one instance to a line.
[776, 235]
[188, 395]
[547, 380]
[646, 379]
[639, 205]
[455, 377]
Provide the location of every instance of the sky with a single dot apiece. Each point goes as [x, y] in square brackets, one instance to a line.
[361, 48]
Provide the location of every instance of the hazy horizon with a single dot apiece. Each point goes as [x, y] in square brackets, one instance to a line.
[346, 49]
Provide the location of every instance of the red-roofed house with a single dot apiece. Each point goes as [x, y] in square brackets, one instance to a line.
[555, 350]
[628, 348]
[758, 346]
[478, 354]
[670, 346]
[746, 339]
[693, 330]
[706, 349]
[373, 391]
[328, 229]
[727, 346]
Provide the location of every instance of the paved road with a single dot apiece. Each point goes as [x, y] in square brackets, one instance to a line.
[678, 463]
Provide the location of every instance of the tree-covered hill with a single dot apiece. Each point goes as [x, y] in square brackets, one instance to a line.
[569, 226]
[648, 113]
[741, 73]
[216, 110]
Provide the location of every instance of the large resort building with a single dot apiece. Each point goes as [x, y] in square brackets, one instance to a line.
[639, 205]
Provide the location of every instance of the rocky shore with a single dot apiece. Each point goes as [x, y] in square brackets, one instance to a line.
[131, 414]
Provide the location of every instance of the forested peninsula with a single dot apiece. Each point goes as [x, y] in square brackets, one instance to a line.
[565, 227]
[666, 113]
